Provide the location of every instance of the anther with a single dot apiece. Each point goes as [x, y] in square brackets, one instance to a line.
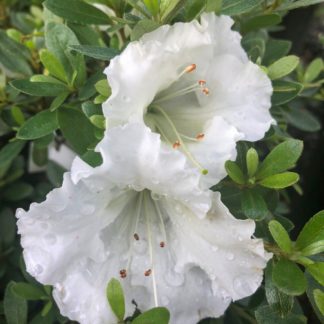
[176, 144]
[190, 68]
[201, 82]
[200, 136]
[205, 91]
[136, 237]
[162, 244]
[147, 272]
[123, 273]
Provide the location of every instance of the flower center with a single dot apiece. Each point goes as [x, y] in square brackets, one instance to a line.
[147, 214]
[161, 114]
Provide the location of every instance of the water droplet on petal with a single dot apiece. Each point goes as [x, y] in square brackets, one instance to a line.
[57, 207]
[38, 269]
[29, 220]
[155, 180]
[50, 239]
[214, 248]
[174, 279]
[19, 212]
[230, 256]
[126, 98]
[242, 286]
[240, 238]
[87, 209]
[137, 187]
[224, 295]
[155, 196]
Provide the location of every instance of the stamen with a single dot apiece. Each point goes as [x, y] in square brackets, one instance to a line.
[136, 237]
[176, 145]
[147, 272]
[179, 139]
[205, 91]
[200, 136]
[190, 68]
[123, 273]
[162, 244]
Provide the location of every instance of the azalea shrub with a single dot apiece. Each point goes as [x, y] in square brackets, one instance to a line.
[147, 163]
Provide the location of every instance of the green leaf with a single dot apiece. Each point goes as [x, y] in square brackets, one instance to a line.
[262, 21]
[278, 301]
[58, 38]
[312, 232]
[301, 119]
[312, 284]
[280, 235]
[9, 152]
[280, 181]
[285, 91]
[283, 67]
[252, 161]
[234, 172]
[18, 191]
[288, 278]
[267, 315]
[116, 298]
[98, 121]
[319, 300]
[253, 205]
[238, 7]
[46, 309]
[297, 4]
[275, 49]
[77, 129]
[103, 88]
[28, 291]
[142, 27]
[77, 11]
[284, 156]
[317, 271]
[7, 227]
[13, 55]
[158, 315]
[153, 6]
[313, 70]
[169, 8]
[58, 101]
[15, 308]
[38, 126]
[53, 65]
[40, 89]
[97, 52]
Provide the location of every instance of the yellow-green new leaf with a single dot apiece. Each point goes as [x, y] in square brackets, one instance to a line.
[280, 235]
[317, 271]
[319, 300]
[252, 161]
[53, 65]
[313, 70]
[283, 67]
[116, 298]
[280, 181]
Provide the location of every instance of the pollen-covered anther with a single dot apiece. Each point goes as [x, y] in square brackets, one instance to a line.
[201, 82]
[147, 272]
[123, 273]
[176, 145]
[190, 68]
[136, 237]
[205, 91]
[162, 244]
[200, 136]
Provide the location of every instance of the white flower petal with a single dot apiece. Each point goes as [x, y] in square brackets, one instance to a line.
[149, 85]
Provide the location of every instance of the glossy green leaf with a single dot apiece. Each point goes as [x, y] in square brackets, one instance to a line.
[158, 315]
[53, 65]
[7, 227]
[76, 128]
[103, 88]
[319, 300]
[238, 7]
[275, 49]
[313, 70]
[28, 291]
[18, 191]
[153, 6]
[283, 67]
[289, 278]
[77, 11]
[253, 205]
[234, 172]
[252, 161]
[38, 126]
[317, 271]
[280, 181]
[40, 89]
[58, 101]
[10, 151]
[280, 235]
[116, 298]
[169, 8]
[285, 91]
[312, 232]
[262, 21]
[289, 5]
[142, 27]
[283, 157]
[15, 308]
[99, 53]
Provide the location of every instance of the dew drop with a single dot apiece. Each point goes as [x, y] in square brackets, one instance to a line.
[155, 196]
[214, 248]
[57, 207]
[240, 238]
[137, 187]
[230, 256]
[126, 98]
[155, 180]
[38, 269]
[30, 220]
[19, 212]
[242, 286]
[174, 279]
[87, 209]
[50, 239]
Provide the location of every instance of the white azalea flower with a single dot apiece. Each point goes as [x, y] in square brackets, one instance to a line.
[194, 84]
[140, 216]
